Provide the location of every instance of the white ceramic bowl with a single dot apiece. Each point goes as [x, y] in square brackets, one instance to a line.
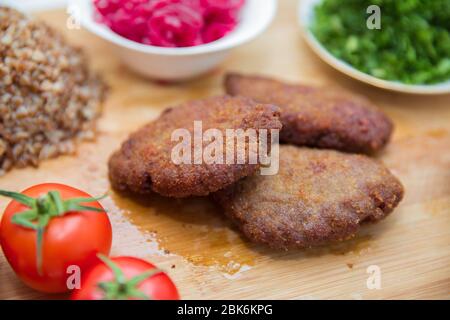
[306, 16]
[35, 5]
[174, 64]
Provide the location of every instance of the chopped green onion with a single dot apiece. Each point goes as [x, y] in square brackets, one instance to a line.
[412, 46]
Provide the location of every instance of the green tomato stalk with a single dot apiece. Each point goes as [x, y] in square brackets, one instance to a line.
[121, 288]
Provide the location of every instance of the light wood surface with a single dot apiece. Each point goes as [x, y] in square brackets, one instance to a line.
[206, 256]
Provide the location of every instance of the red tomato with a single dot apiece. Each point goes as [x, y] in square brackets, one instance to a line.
[125, 278]
[71, 237]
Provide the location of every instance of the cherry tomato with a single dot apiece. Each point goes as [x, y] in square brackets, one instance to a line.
[125, 278]
[49, 227]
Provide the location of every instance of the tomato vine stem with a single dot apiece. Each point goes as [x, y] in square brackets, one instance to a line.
[120, 288]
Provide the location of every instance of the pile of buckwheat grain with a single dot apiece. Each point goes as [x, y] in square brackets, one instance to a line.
[48, 96]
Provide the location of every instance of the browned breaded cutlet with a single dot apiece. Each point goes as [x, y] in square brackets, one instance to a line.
[318, 196]
[144, 162]
[318, 117]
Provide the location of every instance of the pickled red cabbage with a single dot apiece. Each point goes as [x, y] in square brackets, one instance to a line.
[170, 23]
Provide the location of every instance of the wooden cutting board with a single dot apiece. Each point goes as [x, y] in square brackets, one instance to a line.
[203, 253]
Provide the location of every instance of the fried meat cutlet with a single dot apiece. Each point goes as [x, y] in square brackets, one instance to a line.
[318, 117]
[144, 162]
[317, 197]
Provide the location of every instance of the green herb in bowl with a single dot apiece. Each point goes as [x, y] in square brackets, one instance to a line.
[412, 46]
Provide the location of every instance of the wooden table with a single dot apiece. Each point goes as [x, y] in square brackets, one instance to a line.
[206, 256]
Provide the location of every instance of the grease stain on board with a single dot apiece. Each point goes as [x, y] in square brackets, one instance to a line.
[192, 228]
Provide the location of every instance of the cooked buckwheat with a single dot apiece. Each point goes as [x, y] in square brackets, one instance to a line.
[48, 96]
